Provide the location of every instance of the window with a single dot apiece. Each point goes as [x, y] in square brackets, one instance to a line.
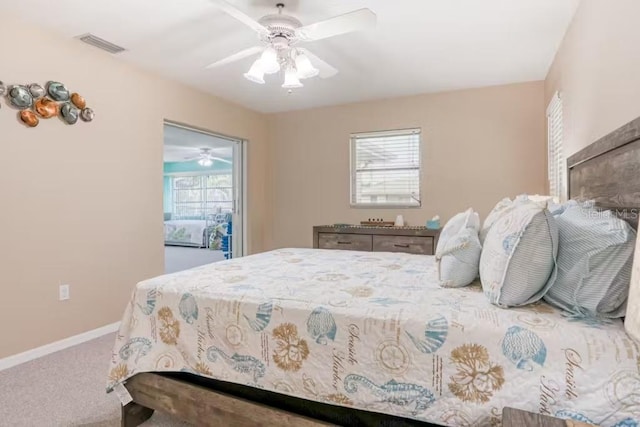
[196, 196]
[385, 168]
[556, 161]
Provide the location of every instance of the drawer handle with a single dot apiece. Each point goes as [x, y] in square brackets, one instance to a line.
[344, 243]
[401, 246]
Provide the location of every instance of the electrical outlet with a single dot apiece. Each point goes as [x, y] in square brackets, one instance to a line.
[63, 292]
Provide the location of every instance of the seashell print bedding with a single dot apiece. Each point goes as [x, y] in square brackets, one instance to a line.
[374, 331]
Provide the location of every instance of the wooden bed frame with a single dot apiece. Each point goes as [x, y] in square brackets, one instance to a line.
[607, 171]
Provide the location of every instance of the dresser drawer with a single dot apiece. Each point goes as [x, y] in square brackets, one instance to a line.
[407, 244]
[350, 242]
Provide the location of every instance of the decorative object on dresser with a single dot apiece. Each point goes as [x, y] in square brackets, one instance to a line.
[433, 223]
[377, 222]
[412, 240]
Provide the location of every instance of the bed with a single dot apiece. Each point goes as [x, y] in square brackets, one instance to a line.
[186, 232]
[193, 232]
[314, 337]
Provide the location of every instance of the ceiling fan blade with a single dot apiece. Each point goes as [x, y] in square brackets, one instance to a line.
[220, 159]
[236, 57]
[357, 20]
[240, 16]
[325, 69]
[189, 158]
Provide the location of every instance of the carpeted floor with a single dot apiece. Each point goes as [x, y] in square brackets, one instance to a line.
[178, 258]
[66, 388]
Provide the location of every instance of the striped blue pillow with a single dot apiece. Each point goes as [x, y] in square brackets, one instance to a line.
[594, 263]
[518, 260]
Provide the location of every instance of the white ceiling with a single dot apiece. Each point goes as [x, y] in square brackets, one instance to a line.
[418, 46]
[180, 143]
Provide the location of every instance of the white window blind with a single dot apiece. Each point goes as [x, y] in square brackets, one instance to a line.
[385, 168]
[556, 160]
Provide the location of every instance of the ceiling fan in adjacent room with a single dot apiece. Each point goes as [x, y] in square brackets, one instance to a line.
[205, 158]
[281, 34]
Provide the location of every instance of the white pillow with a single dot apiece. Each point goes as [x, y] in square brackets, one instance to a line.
[518, 261]
[493, 216]
[458, 250]
[459, 221]
[538, 198]
[505, 204]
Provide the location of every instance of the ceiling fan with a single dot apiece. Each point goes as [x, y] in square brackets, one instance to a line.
[281, 34]
[205, 158]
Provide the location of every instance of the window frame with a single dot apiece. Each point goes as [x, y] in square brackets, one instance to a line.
[203, 189]
[353, 138]
[556, 168]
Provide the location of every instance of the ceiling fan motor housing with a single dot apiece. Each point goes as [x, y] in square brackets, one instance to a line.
[280, 25]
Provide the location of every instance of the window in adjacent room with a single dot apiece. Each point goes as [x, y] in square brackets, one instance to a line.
[196, 196]
[556, 160]
[385, 168]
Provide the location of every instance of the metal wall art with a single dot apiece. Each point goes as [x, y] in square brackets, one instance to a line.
[36, 102]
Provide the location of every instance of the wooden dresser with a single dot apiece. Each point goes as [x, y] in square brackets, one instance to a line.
[412, 240]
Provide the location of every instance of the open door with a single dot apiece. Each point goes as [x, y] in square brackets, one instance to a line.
[203, 197]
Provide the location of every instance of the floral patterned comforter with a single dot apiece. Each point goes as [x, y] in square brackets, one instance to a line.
[374, 331]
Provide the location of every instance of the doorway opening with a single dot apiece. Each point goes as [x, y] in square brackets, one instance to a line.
[202, 197]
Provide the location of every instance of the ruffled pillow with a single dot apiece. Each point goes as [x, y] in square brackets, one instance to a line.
[458, 250]
[518, 261]
[501, 207]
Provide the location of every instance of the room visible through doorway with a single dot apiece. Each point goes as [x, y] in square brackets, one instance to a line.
[202, 197]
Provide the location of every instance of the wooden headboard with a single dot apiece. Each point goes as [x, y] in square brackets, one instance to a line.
[608, 171]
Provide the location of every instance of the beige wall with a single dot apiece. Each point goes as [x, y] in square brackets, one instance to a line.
[597, 70]
[83, 204]
[478, 146]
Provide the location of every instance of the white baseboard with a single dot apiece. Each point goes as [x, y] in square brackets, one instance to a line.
[35, 353]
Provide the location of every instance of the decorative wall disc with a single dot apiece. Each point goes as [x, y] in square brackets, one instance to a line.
[29, 118]
[78, 101]
[58, 91]
[46, 108]
[36, 90]
[38, 101]
[69, 113]
[20, 97]
[87, 114]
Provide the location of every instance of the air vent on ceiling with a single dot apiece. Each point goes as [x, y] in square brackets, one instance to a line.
[100, 43]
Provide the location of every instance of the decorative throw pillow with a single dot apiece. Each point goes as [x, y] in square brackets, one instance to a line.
[518, 261]
[594, 263]
[632, 319]
[458, 250]
[505, 204]
[493, 216]
[537, 198]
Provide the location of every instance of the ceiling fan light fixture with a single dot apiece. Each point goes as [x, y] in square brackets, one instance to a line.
[205, 162]
[291, 80]
[305, 68]
[256, 72]
[269, 61]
